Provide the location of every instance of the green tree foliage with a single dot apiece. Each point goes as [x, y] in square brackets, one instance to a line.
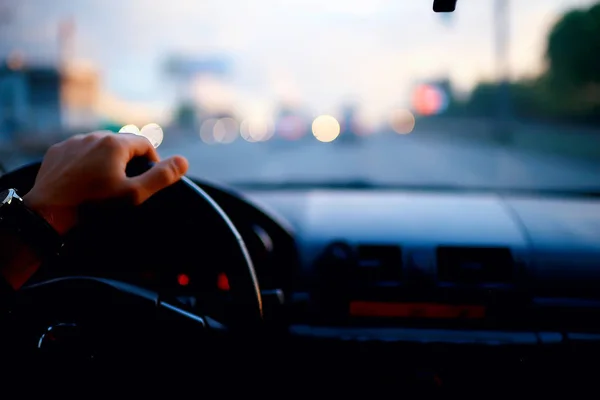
[573, 48]
[569, 89]
[185, 115]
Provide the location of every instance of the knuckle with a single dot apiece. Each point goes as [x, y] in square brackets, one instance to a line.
[110, 142]
[92, 137]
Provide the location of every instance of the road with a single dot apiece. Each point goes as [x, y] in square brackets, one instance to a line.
[427, 157]
[388, 159]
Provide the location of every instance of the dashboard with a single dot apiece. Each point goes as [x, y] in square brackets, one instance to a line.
[466, 288]
[451, 289]
[470, 249]
[349, 263]
[372, 259]
[423, 281]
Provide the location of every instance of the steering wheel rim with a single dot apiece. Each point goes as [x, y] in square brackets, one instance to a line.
[245, 291]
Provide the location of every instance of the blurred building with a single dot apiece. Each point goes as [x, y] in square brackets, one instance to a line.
[80, 93]
[40, 101]
[185, 71]
[29, 99]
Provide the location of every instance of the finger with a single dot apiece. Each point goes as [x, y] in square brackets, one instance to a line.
[163, 174]
[139, 146]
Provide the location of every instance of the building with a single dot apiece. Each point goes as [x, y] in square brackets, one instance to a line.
[80, 96]
[43, 102]
[29, 101]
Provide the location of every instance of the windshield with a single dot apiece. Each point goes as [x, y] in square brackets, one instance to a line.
[500, 94]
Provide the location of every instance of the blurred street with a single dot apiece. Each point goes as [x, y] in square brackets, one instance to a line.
[389, 159]
[450, 152]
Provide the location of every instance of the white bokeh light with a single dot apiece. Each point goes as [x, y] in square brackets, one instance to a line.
[206, 131]
[326, 128]
[154, 133]
[257, 129]
[130, 129]
[225, 130]
[402, 121]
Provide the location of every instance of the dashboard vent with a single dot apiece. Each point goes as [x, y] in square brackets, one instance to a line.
[475, 265]
[379, 263]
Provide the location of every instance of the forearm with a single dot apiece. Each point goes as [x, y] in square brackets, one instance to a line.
[18, 262]
[21, 251]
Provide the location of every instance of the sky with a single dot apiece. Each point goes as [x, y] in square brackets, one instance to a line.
[318, 54]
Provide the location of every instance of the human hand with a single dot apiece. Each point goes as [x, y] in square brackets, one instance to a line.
[90, 168]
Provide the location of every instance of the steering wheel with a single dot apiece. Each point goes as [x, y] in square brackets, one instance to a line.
[179, 225]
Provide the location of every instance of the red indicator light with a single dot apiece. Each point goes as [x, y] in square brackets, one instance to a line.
[183, 279]
[223, 282]
[415, 310]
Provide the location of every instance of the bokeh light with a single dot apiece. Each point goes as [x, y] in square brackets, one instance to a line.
[429, 100]
[325, 128]
[225, 130]
[402, 121]
[154, 133]
[207, 131]
[130, 129]
[256, 129]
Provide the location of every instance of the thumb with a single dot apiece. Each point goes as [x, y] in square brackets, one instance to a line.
[162, 174]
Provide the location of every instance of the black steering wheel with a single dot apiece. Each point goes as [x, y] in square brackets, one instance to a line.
[181, 225]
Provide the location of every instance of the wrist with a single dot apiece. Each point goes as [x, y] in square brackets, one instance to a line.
[62, 219]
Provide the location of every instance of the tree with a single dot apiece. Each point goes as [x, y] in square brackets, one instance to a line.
[569, 90]
[573, 48]
[185, 115]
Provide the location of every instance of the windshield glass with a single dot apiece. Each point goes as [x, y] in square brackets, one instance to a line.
[500, 94]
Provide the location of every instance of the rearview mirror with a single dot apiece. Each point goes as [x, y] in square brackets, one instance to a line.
[444, 6]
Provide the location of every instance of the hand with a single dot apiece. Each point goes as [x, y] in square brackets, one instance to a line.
[91, 168]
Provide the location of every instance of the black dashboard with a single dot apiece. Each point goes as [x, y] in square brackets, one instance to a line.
[394, 258]
[443, 248]
[370, 264]
[397, 274]
[424, 281]
[444, 281]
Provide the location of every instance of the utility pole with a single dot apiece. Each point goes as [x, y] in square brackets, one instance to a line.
[6, 14]
[448, 19]
[66, 42]
[503, 120]
[6, 20]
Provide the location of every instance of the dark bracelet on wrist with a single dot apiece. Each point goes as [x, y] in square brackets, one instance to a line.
[31, 228]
